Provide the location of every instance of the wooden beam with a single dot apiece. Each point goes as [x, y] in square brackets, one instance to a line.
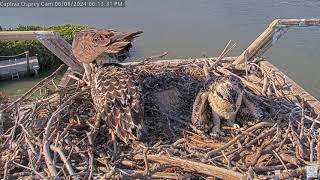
[299, 22]
[23, 35]
[62, 49]
[275, 30]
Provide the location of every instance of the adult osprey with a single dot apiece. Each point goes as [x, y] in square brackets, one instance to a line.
[116, 93]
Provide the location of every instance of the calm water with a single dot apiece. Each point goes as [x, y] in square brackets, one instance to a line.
[188, 28]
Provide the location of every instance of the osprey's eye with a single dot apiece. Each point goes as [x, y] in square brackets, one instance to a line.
[219, 94]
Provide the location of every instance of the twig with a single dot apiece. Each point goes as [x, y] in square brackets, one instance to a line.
[149, 59]
[64, 159]
[302, 119]
[277, 155]
[225, 51]
[234, 140]
[193, 166]
[145, 158]
[31, 169]
[46, 149]
[90, 154]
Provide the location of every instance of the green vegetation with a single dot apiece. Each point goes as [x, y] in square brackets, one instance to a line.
[46, 59]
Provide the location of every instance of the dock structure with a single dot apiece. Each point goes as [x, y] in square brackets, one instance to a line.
[14, 67]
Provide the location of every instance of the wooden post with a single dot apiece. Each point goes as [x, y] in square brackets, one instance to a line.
[275, 30]
[28, 63]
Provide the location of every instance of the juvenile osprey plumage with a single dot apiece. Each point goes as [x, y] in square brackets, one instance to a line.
[222, 100]
[116, 93]
[219, 99]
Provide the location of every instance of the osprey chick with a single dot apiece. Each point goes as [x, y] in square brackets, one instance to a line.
[224, 96]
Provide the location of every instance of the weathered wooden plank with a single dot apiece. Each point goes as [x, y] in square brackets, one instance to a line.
[62, 49]
[23, 35]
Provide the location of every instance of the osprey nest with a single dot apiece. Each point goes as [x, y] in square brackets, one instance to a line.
[55, 135]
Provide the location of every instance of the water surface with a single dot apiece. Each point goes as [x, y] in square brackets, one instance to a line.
[188, 28]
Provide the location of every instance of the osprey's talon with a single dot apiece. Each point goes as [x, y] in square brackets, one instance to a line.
[236, 126]
[216, 132]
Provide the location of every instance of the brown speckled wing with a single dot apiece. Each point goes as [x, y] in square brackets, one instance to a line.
[117, 97]
[200, 113]
[88, 45]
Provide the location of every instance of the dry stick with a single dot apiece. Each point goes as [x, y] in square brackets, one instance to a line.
[234, 140]
[193, 166]
[71, 150]
[30, 134]
[262, 135]
[206, 70]
[1, 122]
[285, 137]
[155, 175]
[316, 120]
[12, 133]
[275, 88]
[225, 51]
[246, 63]
[89, 135]
[31, 169]
[299, 153]
[318, 150]
[46, 144]
[311, 149]
[145, 158]
[265, 79]
[302, 119]
[78, 79]
[35, 88]
[31, 147]
[5, 174]
[91, 138]
[63, 158]
[54, 84]
[19, 175]
[277, 155]
[226, 158]
[288, 158]
[149, 59]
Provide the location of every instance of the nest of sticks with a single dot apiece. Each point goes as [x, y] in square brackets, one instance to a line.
[52, 136]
